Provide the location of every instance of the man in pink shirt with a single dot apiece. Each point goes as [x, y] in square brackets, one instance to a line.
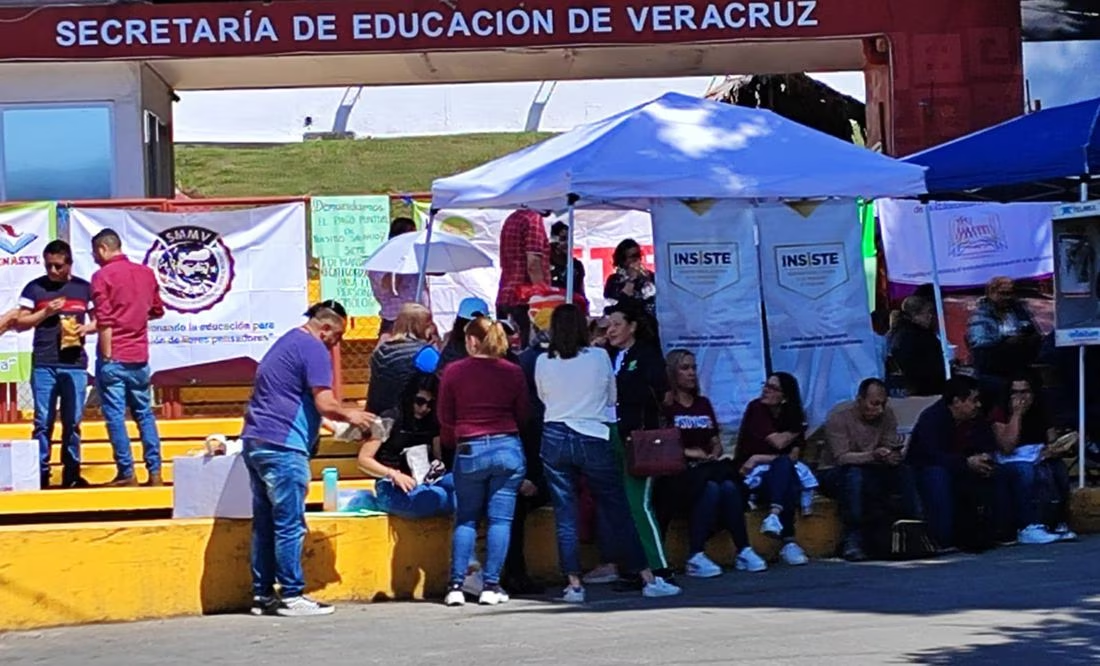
[126, 296]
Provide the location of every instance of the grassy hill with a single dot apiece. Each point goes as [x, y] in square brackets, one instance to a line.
[363, 166]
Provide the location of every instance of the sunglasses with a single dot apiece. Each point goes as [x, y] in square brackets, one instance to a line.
[56, 267]
[423, 402]
[330, 304]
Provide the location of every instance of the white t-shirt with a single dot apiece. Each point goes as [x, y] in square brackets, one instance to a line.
[577, 391]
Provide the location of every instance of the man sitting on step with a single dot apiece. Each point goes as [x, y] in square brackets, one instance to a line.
[862, 464]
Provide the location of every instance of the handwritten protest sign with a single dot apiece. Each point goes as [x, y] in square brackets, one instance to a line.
[345, 231]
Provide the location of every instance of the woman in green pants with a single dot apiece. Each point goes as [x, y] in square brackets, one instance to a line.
[642, 383]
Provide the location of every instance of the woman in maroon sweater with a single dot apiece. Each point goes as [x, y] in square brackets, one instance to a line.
[482, 403]
[773, 432]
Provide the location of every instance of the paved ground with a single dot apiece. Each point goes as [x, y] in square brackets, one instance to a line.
[1022, 605]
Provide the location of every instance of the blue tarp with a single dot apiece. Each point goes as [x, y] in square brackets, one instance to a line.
[1045, 147]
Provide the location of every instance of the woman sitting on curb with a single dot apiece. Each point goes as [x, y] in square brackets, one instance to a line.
[773, 433]
[397, 490]
[707, 491]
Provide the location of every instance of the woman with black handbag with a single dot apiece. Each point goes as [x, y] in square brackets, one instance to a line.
[576, 440]
[641, 382]
[708, 490]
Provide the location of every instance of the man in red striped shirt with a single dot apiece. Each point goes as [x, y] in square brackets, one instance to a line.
[56, 306]
[126, 297]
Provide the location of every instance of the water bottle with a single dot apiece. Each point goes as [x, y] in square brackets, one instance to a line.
[329, 477]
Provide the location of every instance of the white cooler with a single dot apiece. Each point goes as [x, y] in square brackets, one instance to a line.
[19, 465]
[211, 487]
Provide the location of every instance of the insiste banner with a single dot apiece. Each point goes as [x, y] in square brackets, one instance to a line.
[232, 282]
[24, 232]
[597, 233]
[708, 298]
[815, 300]
[975, 242]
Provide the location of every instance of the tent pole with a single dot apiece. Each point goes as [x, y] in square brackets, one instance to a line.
[569, 277]
[422, 279]
[1081, 438]
[939, 292]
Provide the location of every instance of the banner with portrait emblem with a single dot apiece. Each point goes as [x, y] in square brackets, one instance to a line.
[708, 298]
[232, 281]
[815, 300]
[975, 242]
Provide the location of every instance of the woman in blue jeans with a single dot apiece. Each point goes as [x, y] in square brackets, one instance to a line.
[578, 387]
[414, 424]
[482, 403]
[773, 432]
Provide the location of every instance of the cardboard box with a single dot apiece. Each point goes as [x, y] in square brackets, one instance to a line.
[211, 487]
[19, 466]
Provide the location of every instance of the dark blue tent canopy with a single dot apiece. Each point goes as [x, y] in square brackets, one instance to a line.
[1039, 156]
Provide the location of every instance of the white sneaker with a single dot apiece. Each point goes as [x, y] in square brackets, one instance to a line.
[660, 588]
[1065, 533]
[455, 597]
[771, 526]
[303, 607]
[793, 554]
[748, 560]
[1036, 535]
[701, 566]
[573, 595]
[474, 583]
[493, 597]
[604, 574]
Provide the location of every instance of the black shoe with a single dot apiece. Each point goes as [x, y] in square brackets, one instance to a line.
[78, 482]
[853, 550]
[628, 583]
[523, 586]
[264, 605]
[44, 481]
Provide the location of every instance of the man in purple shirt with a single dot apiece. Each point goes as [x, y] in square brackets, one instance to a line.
[56, 306]
[292, 392]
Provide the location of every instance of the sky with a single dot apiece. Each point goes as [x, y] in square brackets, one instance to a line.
[1058, 73]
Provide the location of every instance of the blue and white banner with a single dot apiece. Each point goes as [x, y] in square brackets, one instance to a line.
[708, 298]
[975, 242]
[815, 300]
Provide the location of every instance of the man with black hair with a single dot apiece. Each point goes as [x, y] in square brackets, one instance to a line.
[862, 463]
[126, 297]
[559, 249]
[293, 390]
[58, 306]
[951, 450]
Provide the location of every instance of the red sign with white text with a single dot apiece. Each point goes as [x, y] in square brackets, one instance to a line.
[330, 26]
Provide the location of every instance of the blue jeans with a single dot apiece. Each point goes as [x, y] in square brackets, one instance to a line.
[122, 385]
[947, 494]
[566, 454]
[718, 500]
[437, 499]
[1016, 496]
[487, 475]
[280, 481]
[51, 384]
[853, 485]
[781, 488]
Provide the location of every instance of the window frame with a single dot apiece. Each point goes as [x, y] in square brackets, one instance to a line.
[112, 134]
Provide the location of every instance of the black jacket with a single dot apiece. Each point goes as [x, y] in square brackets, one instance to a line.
[918, 355]
[641, 382]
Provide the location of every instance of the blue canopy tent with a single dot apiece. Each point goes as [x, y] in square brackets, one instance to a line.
[1049, 155]
[1042, 156]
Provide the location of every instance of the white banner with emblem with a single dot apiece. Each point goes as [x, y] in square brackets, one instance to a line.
[708, 298]
[815, 300]
[232, 281]
[975, 242]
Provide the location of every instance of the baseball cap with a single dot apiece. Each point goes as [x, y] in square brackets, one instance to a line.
[472, 307]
